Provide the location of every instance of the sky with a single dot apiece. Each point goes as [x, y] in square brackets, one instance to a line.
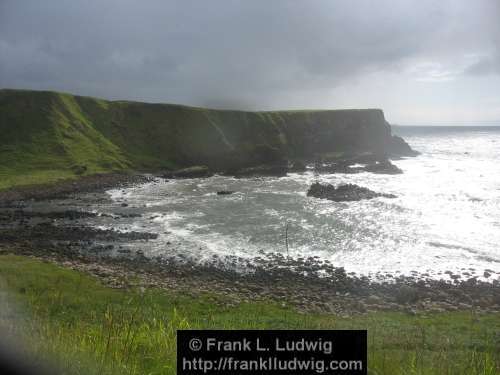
[424, 62]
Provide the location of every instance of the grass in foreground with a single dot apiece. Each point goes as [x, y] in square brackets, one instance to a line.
[85, 327]
[11, 178]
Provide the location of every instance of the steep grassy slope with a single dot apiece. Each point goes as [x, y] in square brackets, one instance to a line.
[49, 135]
[46, 136]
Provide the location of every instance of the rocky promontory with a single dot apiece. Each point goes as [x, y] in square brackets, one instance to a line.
[343, 193]
[74, 136]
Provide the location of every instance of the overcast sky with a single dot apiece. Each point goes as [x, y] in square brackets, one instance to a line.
[422, 62]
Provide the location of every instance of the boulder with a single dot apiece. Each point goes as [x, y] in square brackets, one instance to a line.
[275, 170]
[374, 163]
[342, 193]
[225, 192]
[191, 172]
[383, 167]
[298, 166]
[366, 158]
[79, 169]
[407, 294]
[340, 167]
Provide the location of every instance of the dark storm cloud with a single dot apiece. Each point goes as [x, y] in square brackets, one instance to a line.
[247, 54]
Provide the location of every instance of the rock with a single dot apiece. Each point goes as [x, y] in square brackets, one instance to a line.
[339, 167]
[79, 169]
[407, 294]
[276, 170]
[373, 300]
[347, 192]
[375, 163]
[191, 172]
[365, 158]
[383, 167]
[298, 166]
[411, 311]
[225, 192]
[398, 147]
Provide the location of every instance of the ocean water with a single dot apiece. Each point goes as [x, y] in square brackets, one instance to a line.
[446, 216]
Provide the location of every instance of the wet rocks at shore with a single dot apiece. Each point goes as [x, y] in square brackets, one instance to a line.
[365, 162]
[383, 167]
[22, 215]
[297, 166]
[337, 167]
[343, 193]
[225, 192]
[67, 230]
[347, 163]
[96, 183]
[307, 284]
[271, 170]
[50, 232]
[197, 171]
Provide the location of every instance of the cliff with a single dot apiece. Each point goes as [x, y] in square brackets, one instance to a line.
[55, 134]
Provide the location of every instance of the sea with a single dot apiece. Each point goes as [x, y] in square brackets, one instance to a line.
[446, 216]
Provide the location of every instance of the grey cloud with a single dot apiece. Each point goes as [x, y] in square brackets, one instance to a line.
[486, 66]
[489, 63]
[224, 53]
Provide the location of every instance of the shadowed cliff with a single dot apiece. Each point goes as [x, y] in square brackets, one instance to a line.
[52, 135]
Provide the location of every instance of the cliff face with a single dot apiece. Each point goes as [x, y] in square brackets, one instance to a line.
[58, 131]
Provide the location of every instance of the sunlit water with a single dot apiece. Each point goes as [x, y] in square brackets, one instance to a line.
[446, 215]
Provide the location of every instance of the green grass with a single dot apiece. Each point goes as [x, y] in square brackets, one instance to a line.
[13, 178]
[45, 136]
[85, 327]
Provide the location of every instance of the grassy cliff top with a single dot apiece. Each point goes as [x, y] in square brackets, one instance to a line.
[8, 91]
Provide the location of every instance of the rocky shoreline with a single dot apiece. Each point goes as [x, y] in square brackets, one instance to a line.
[358, 163]
[97, 183]
[275, 278]
[306, 284]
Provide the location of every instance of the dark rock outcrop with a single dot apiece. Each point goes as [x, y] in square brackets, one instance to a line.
[398, 147]
[79, 169]
[191, 172]
[298, 166]
[342, 193]
[383, 167]
[340, 167]
[275, 170]
[225, 192]
[365, 158]
[375, 165]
